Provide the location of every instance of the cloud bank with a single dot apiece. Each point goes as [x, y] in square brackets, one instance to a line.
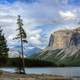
[40, 18]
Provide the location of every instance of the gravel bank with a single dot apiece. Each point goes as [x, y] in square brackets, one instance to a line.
[14, 76]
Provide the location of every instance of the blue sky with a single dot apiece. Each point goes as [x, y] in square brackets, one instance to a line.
[40, 18]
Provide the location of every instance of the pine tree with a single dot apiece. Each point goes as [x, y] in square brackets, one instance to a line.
[22, 37]
[3, 48]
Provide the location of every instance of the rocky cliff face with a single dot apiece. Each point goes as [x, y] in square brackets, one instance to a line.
[64, 38]
[64, 48]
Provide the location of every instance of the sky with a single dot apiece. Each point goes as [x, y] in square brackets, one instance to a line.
[40, 19]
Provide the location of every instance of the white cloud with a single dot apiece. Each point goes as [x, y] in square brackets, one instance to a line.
[35, 40]
[67, 15]
[35, 37]
[30, 47]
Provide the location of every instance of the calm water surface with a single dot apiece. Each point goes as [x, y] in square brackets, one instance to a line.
[68, 71]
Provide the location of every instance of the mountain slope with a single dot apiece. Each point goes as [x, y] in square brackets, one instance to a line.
[63, 48]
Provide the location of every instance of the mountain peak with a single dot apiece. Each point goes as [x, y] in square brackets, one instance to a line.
[63, 38]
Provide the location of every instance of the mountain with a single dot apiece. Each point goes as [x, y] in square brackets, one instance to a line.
[33, 51]
[63, 48]
[28, 51]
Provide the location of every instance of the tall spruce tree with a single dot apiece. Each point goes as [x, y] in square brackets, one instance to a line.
[3, 49]
[22, 37]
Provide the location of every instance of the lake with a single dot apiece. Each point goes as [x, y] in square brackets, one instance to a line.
[67, 71]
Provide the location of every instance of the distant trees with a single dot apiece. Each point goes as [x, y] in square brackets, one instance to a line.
[30, 63]
[22, 37]
[3, 49]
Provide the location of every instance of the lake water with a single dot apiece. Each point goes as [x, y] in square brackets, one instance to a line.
[68, 71]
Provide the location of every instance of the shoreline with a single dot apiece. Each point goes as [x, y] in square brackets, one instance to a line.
[12, 76]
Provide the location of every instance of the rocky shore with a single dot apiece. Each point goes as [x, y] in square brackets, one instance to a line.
[14, 76]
